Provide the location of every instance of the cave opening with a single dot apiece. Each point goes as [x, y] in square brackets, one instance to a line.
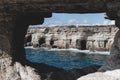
[83, 44]
[42, 42]
[66, 31]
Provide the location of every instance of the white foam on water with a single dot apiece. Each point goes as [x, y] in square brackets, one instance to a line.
[102, 53]
[71, 50]
[28, 47]
[80, 51]
[31, 47]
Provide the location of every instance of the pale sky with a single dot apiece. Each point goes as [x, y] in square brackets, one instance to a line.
[62, 19]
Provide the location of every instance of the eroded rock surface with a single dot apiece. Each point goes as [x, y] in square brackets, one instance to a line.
[108, 75]
[114, 58]
[95, 38]
[16, 71]
[17, 15]
[110, 70]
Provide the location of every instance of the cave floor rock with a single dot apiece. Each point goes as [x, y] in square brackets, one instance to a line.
[52, 73]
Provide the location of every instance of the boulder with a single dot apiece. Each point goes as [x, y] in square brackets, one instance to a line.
[108, 75]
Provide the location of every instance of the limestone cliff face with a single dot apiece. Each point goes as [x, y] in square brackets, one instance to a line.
[95, 38]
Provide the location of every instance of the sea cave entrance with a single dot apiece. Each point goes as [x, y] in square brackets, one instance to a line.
[83, 44]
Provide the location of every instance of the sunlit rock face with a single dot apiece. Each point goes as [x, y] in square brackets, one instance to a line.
[94, 38]
[110, 70]
[16, 71]
[108, 75]
[114, 58]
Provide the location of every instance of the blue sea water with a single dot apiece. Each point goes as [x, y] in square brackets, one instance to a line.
[64, 59]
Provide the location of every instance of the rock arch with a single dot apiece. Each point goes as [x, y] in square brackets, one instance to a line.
[16, 15]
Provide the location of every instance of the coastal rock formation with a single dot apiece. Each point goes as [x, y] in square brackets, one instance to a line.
[110, 70]
[95, 38]
[113, 60]
[108, 75]
[17, 71]
[17, 15]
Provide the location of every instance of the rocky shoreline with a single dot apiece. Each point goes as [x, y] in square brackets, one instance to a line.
[93, 38]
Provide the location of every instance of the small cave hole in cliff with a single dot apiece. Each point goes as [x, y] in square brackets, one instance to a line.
[83, 44]
[70, 41]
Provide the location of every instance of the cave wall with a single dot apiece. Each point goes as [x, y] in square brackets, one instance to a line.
[16, 15]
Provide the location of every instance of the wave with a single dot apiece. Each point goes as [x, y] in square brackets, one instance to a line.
[81, 51]
[71, 50]
[31, 47]
[98, 52]
[28, 47]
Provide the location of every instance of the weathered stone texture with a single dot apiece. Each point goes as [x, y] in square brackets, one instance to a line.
[16, 15]
[113, 60]
[95, 38]
[69, 6]
[108, 75]
[16, 71]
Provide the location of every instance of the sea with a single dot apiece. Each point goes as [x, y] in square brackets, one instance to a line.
[66, 58]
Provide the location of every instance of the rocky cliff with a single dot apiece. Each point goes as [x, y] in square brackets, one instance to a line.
[17, 15]
[95, 38]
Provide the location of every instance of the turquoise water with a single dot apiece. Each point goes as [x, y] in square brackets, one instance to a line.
[64, 59]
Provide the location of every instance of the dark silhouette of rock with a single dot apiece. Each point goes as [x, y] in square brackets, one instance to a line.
[53, 73]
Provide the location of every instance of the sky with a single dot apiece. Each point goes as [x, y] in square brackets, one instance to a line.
[63, 19]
